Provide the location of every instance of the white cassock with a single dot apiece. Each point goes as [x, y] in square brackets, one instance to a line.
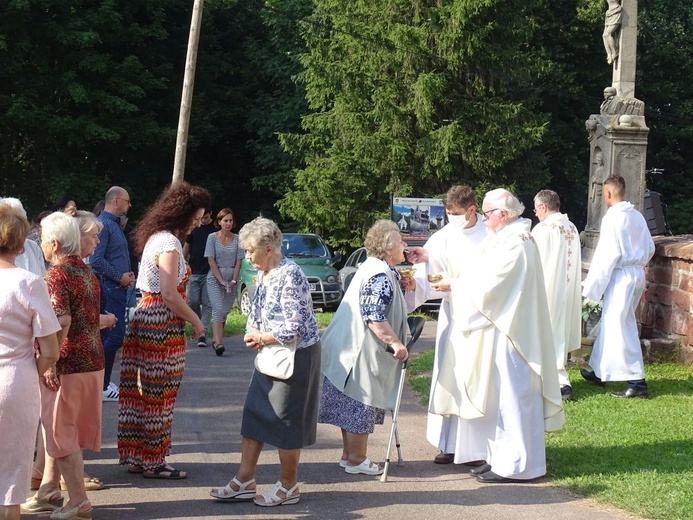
[617, 272]
[451, 250]
[558, 242]
[500, 376]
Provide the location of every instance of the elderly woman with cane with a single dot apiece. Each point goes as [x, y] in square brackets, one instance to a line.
[361, 375]
[282, 402]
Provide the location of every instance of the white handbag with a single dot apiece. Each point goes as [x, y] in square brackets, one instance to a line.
[276, 360]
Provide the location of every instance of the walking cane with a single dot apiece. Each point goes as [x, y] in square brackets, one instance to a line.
[416, 325]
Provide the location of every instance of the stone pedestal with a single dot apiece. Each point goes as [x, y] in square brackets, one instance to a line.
[618, 145]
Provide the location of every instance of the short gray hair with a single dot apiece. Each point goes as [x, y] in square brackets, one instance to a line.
[550, 198]
[379, 238]
[506, 201]
[63, 228]
[260, 232]
[15, 204]
[87, 222]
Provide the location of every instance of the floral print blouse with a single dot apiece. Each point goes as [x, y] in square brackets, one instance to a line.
[375, 298]
[283, 306]
[75, 292]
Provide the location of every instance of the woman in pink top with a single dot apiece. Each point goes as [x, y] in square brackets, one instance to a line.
[26, 314]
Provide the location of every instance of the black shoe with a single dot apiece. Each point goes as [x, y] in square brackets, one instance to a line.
[201, 341]
[587, 375]
[481, 469]
[218, 349]
[491, 478]
[567, 393]
[444, 458]
[630, 393]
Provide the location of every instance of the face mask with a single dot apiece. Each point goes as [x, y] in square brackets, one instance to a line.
[459, 221]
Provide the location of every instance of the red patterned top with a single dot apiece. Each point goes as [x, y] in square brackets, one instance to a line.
[75, 292]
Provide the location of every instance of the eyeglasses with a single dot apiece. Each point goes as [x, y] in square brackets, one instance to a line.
[487, 214]
[126, 200]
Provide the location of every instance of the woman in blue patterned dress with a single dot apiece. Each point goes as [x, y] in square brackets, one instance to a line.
[361, 377]
[280, 412]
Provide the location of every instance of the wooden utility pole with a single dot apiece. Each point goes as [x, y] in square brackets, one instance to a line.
[186, 98]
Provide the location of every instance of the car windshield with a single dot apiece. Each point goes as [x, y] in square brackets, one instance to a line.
[305, 246]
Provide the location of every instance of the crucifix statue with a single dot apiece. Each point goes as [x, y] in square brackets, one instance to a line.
[621, 43]
[612, 23]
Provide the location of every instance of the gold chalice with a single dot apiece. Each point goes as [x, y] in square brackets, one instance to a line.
[406, 272]
[434, 278]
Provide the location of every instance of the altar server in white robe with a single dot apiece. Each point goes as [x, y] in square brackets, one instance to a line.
[506, 386]
[559, 249]
[617, 272]
[452, 250]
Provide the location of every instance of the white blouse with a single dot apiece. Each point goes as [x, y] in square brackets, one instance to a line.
[148, 279]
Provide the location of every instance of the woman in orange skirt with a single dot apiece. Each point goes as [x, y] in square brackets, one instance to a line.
[154, 346]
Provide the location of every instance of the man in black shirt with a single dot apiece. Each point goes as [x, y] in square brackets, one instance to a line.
[194, 252]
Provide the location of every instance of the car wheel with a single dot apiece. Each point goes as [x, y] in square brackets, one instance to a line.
[245, 302]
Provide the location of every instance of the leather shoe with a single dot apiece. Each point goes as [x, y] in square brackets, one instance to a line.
[481, 469]
[444, 458]
[567, 393]
[491, 478]
[630, 393]
[590, 376]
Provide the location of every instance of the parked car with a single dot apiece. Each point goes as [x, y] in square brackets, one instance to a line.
[316, 260]
[355, 260]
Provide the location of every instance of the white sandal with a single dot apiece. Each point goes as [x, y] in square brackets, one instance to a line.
[49, 502]
[365, 468]
[74, 513]
[228, 493]
[270, 498]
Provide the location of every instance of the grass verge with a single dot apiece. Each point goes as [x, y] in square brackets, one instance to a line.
[634, 454]
[235, 322]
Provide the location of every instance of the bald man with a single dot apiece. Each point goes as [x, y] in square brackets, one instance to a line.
[111, 263]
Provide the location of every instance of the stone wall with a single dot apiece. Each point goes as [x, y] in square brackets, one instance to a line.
[665, 310]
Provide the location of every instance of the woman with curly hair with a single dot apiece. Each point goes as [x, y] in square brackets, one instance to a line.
[154, 346]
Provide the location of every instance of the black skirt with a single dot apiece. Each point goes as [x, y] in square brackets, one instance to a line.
[284, 412]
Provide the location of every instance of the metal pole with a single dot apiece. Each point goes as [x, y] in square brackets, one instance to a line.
[186, 98]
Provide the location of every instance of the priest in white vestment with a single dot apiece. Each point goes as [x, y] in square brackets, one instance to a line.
[559, 249]
[617, 272]
[452, 250]
[505, 387]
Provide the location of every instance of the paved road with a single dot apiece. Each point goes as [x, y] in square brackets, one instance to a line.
[207, 445]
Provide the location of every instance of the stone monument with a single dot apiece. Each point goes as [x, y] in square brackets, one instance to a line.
[618, 134]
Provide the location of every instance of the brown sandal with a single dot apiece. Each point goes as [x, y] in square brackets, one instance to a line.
[90, 484]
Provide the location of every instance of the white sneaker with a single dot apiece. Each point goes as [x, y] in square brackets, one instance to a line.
[111, 393]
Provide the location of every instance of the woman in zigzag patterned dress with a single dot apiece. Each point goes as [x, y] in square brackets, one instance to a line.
[154, 346]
